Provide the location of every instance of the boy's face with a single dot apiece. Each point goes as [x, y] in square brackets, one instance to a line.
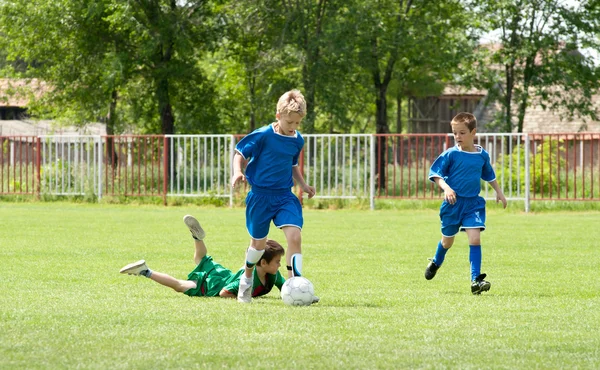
[271, 267]
[462, 135]
[288, 123]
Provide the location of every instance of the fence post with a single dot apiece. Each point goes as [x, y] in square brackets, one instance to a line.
[38, 162]
[372, 180]
[100, 157]
[527, 176]
[232, 151]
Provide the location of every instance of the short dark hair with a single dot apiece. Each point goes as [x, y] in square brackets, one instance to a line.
[467, 119]
[272, 250]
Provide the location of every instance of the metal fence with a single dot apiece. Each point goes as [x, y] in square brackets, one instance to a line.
[529, 167]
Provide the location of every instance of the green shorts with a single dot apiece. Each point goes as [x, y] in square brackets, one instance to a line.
[210, 276]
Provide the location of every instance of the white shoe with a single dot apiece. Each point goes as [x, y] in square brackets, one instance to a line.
[245, 290]
[194, 226]
[134, 268]
[315, 299]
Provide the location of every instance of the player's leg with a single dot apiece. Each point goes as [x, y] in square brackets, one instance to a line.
[474, 223]
[293, 256]
[450, 224]
[450, 219]
[171, 282]
[253, 255]
[478, 282]
[198, 234]
[258, 220]
[289, 219]
[140, 268]
[438, 258]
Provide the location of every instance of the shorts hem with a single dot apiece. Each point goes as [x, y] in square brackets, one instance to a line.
[284, 225]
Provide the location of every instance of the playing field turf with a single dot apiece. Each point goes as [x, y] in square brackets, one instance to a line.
[64, 305]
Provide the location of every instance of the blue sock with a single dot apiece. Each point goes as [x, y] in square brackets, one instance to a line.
[440, 254]
[475, 259]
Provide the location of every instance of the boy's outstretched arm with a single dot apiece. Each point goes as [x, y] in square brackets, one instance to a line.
[238, 175]
[499, 194]
[297, 175]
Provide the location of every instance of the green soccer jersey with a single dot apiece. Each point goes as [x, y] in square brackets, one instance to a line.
[258, 288]
[212, 277]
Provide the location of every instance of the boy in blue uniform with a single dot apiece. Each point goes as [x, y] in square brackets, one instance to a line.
[209, 278]
[458, 172]
[271, 154]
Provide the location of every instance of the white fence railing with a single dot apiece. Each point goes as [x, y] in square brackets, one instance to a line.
[528, 166]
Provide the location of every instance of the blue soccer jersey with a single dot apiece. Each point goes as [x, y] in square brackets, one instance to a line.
[463, 171]
[271, 157]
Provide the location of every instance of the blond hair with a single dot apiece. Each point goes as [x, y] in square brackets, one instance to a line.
[465, 118]
[292, 102]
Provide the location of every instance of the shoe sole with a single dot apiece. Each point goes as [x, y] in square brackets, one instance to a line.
[132, 266]
[194, 226]
[243, 299]
[483, 288]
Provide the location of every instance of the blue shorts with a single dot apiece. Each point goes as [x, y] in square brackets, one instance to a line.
[466, 213]
[283, 207]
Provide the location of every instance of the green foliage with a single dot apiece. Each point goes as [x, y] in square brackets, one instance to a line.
[548, 170]
[539, 63]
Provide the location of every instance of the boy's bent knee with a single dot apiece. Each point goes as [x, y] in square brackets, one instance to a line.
[447, 242]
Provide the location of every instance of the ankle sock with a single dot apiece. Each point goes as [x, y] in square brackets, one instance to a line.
[146, 273]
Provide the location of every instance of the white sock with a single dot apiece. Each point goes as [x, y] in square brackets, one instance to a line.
[245, 281]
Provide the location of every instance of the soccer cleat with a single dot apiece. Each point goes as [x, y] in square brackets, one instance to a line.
[431, 270]
[135, 268]
[479, 285]
[194, 226]
[245, 290]
[315, 299]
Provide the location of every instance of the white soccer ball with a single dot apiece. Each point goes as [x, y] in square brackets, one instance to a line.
[297, 291]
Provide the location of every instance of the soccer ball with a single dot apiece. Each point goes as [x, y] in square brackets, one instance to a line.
[297, 291]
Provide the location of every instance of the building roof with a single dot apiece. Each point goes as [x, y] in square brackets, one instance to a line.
[36, 128]
[17, 92]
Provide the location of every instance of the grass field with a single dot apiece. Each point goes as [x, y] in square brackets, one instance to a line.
[64, 305]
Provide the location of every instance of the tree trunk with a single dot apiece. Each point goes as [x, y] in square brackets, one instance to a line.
[510, 70]
[111, 119]
[381, 127]
[399, 113]
[308, 123]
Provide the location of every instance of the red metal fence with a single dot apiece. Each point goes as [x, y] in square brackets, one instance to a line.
[528, 167]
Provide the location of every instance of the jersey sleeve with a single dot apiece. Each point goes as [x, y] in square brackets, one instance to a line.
[233, 287]
[300, 146]
[250, 144]
[487, 173]
[439, 168]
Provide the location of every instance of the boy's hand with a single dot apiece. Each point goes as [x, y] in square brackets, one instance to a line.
[501, 198]
[236, 178]
[450, 195]
[310, 190]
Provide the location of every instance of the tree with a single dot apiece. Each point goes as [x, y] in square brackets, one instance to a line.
[253, 66]
[537, 58]
[96, 53]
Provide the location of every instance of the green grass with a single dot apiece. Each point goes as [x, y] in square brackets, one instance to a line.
[63, 303]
